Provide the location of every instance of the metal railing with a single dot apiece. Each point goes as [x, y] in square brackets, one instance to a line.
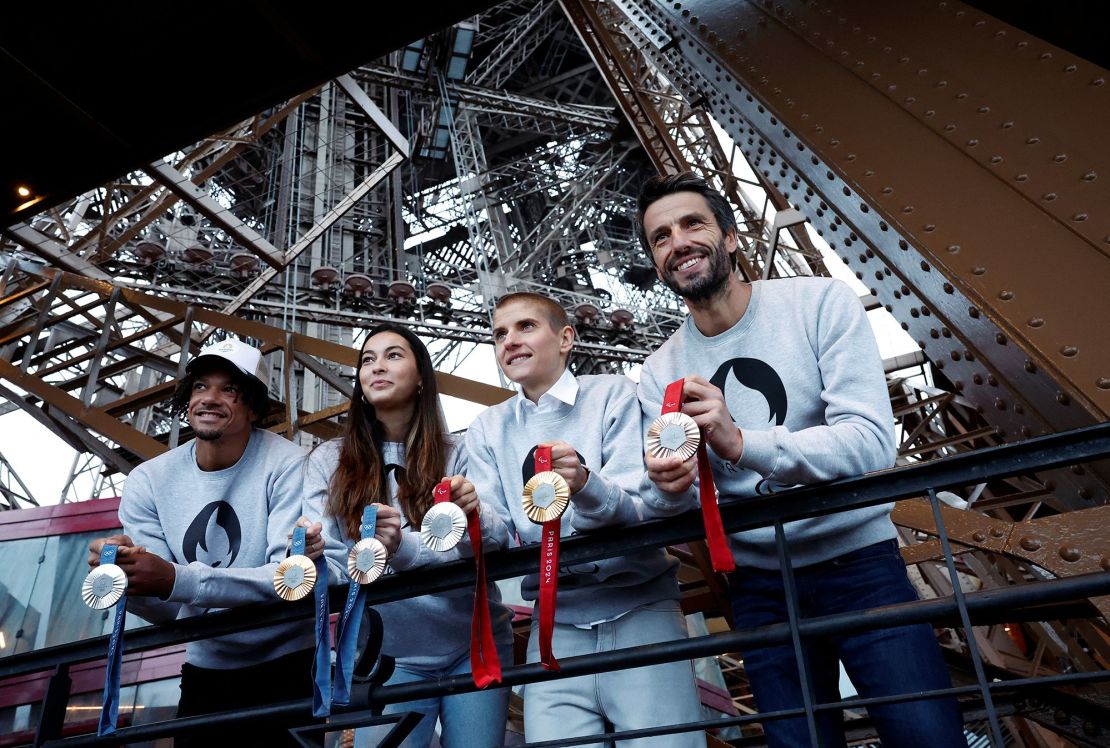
[993, 696]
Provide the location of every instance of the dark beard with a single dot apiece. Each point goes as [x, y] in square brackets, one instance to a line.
[709, 284]
[209, 435]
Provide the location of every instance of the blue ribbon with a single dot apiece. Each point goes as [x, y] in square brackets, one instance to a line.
[110, 709]
[321, 664]
[346, 631]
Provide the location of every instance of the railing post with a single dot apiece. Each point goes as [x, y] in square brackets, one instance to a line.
[54, 706]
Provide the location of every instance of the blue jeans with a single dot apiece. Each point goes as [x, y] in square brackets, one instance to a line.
[469, 720]
[880, 663]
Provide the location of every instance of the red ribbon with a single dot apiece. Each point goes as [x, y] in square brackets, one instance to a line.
[719, 553]
[485, 667]
[549, 571]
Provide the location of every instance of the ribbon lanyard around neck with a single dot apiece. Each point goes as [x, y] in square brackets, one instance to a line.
[715, 539]
[350, 620]
[110, 702]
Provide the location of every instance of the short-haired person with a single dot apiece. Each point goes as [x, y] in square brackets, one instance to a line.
[394, 450]
[592, 425]
[785, 381]
[204, 527]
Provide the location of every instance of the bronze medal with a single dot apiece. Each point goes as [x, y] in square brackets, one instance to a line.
[673, 434]
[366, 560]
[295, 577]
[443, 526]
[546, 497]
[104, 586]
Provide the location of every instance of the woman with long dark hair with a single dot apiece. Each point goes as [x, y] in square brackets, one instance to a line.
[394, 450]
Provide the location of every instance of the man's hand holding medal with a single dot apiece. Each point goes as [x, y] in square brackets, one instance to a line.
[147, 574]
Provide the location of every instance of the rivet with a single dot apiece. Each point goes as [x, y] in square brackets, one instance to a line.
[1021, 177]
[996, 159]
[1030, 366]
[1030, 544]
[1069, 350]
[1060, 158]
[930, 227]
[1097, 81]
[978, 270]
[1046, 55]
[1079, 217]
[1000, 403]
[977, 378]
[1089, 176]
[1032, 141]
[1000, 339]
[1048, 196]
[1078, 470]
[925, 266]
[994, 383]
[929, 112]
[955, 355]
[1104, 562]
[979, 536]
[1036, 322]
[948, 288]
[907, 209]
[973, 312]
[962, 95]
[1084, 493]
[949, 127]
[953, 248]
[1026, 431]
[1103, 383]
[983, 109]
[1006, 295]
[1063, 398]
[887, 190]
[1069, 554]
[1070, 69]
[1007, 124]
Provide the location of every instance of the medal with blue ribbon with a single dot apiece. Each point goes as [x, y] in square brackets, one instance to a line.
[105, 586]
[365, 563]
[295, 577]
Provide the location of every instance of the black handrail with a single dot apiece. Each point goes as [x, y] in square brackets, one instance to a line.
[1039, 453]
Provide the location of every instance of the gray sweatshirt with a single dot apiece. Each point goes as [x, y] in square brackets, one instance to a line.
[603, 425]
[426, 631]
[225, 532]
[803, 380]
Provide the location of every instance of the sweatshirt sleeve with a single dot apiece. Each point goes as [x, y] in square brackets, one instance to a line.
[609, 496]
[205, 586]
[481, 470]
[412, 553]
[858, 434]
[318, 470]
[139, 516]
[657, 502]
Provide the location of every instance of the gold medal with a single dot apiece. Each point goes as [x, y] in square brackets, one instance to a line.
[443, 526]
[673, 434]
[546, 497]
[295, 577]
[104, 586]
[366, 560]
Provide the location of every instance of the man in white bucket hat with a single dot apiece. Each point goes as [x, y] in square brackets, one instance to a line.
[204, 527]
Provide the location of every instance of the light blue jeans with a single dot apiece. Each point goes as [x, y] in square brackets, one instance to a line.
[469, 720]
[633, 699]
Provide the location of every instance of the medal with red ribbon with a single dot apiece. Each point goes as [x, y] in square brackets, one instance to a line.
[675, 433]
[485, 666]
[546, 497]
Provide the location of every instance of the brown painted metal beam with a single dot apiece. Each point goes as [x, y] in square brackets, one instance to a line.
[948, 159]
